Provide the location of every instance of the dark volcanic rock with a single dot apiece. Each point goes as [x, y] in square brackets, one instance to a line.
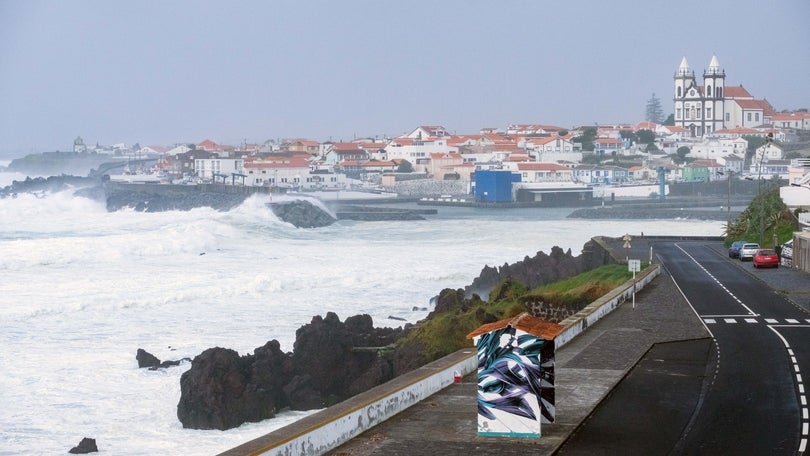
[87, 445]
[332, 361]
[49, 184]
[166, 198]
[302, 214]
[146, 359]
[531, 272]
[223, 390]
[323, 352]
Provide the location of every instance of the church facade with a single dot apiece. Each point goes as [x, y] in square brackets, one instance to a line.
[706, 108]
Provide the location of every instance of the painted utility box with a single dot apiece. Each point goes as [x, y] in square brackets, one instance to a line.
[515, 375]
[494, 186]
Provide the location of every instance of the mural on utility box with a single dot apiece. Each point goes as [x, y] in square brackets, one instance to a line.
[515, 376]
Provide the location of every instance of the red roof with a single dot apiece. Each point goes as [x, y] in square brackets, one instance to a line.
[756, 104]
[646, 126]
[295, 161]
[736, 92]
[791, 115]
[524, 322]
[450, 155]
[608, 141]
[368, 164]
[517, 158]
[541, 167]
[345, 146]
[739, 131]
[208, 145]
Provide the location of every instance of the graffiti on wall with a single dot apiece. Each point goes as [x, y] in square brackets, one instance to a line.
[515, 383]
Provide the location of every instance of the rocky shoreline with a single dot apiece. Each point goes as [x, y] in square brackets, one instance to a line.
[333, 360]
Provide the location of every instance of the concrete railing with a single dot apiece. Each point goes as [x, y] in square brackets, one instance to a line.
[334, 426]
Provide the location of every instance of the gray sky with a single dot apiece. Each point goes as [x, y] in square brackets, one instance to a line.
[161, 72]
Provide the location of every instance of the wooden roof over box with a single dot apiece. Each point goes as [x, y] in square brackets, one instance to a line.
[524, 322]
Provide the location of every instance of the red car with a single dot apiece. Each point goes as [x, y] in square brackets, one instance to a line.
[766, 258]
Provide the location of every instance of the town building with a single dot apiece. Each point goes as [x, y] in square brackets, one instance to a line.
[706, 108]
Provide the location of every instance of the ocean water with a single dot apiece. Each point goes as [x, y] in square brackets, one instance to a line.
[82, 289]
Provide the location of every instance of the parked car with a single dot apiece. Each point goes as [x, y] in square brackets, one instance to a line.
[766, 258]
[734, 250]
[748, 250]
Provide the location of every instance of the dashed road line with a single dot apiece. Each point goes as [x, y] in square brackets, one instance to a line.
[800, 385]
[751, 313]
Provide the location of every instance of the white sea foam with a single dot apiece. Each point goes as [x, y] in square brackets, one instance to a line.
[82, 289]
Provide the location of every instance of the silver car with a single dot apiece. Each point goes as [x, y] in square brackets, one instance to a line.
[748, 250]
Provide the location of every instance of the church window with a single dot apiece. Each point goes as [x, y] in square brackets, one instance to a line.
[748, 117]
[679, 92]
[708, 113]
[709, 90]
[708, 129]
[728, 117]
[678, 113]
[756, 117]
[698, 113]
[719, 92]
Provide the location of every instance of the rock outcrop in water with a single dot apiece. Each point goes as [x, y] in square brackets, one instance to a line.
[48, 185]
[331, 361]
[150, 361]
[302, 214]
[87, 445]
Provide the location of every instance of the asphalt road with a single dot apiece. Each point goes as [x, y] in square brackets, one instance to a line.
[753, 392]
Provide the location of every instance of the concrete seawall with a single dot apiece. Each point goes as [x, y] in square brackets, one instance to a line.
[331, 427]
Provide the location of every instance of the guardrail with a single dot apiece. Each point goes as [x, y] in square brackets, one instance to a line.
[334, 426]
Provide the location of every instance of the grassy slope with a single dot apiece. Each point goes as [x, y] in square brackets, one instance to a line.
[446, 332]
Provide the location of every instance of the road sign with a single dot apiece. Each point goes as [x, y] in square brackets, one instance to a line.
[634, 265]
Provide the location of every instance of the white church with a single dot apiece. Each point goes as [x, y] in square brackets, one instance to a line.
[703, 109]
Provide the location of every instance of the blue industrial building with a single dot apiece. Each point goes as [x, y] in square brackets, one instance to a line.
[494, 186]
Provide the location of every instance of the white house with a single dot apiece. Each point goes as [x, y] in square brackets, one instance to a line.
[769, 168]
[769, 151]
[713, 148]
[732, 164]
[608, 146]
[276, 171]
[592, 174]
[413, 150]
[543, 172]
[552, 149]
[797, 120]
[218, 168]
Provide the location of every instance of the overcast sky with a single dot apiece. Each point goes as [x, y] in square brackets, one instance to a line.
[162, 72]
